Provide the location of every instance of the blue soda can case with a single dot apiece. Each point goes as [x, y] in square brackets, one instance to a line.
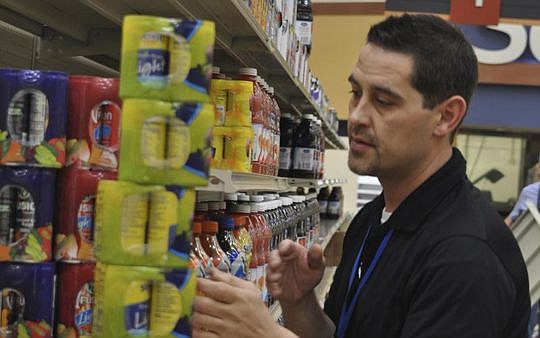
[33, 117]
[27, 299]
[26, 214]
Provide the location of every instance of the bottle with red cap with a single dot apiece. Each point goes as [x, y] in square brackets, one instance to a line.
[209, 242]
[199, 258]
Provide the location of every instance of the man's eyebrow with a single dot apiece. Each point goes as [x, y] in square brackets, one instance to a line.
[352, 80]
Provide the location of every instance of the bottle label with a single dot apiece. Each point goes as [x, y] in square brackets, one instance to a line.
[333, 207]
[258, 142]
[302, 241]
[83, 309]
[304, 159]
[237, 265]
[254, 275]
[12, 310]
[323, 205]
[220, 265]
[284, 158]
[85, 218]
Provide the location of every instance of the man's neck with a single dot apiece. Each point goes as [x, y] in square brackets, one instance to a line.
[397, 188]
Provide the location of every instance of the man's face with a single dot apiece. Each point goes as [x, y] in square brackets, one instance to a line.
[390, 131]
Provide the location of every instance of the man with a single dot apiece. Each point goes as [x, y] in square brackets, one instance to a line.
[531, 193]
[427, 258]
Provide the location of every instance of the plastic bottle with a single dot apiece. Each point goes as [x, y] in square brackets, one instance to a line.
[259, 223]
[304, 21]
[244, 240]
[229, 245]
[209, 242]
[275, 127]
[231, 200]
[243, 209]
[250, 74]
[197, 248]
[201, 211]
[286, 141]
[305, 144]
[322, 146]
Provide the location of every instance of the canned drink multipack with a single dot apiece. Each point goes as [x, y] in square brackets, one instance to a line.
[27, 299]
[74, 233]
[33, 116]
[26, 213]
[75, 296]
[148, 225]
[143, 301]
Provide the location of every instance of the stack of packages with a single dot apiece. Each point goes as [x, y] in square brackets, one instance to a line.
[33, 113]
[144, 284]
[246, 133]
[92, 155]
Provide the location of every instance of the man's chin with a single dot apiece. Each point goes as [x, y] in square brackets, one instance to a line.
[360, 167]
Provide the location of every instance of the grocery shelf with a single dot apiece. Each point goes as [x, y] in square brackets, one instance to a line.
[315, 183]
[332, 226]
[91, 29]
[229, 181]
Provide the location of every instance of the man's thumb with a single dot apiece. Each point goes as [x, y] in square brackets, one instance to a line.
[315, 257]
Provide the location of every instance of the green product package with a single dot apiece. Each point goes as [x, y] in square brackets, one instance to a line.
[142, 301]
[166, 59]
[166, 142]
[143, 225]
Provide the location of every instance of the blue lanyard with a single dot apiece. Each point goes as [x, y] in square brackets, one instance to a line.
[347, 311]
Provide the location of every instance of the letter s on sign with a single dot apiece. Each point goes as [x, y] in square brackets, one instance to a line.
[534, 41]
[516, 47]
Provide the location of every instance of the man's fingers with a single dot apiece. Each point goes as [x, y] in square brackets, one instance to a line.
[289, 250]
[205, 323]
[203, 333]
[315, 257]
[227, 278]
[217, 290]
[274, 277]
[209, 306]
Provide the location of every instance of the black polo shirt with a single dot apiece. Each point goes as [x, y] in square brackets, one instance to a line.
[451, 269]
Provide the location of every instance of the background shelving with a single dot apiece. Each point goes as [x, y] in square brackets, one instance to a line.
[83, 37]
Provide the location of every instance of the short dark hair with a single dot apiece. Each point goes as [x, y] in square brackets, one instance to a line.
[444, 61]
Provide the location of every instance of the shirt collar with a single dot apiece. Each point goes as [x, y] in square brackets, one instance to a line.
[413, 210]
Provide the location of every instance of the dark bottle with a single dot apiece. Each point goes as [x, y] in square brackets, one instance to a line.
[286, 140]
[305, 145]
[335, 203]
[323, 201]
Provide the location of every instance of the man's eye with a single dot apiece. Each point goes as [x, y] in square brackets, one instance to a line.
[382, 102]
[355, 93]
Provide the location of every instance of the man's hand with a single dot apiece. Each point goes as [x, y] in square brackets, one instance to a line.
[294, 271]
[230, 307]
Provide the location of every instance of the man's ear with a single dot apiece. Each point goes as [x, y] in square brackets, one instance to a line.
[451, 111]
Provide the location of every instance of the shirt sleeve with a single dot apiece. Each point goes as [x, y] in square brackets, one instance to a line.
[459, 290]
[520, 204]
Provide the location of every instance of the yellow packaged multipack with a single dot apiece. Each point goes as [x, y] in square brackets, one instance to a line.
[237, 145]
[142, 301]
[238, 113]
[166, 59]
[166, 142]
[148, 225]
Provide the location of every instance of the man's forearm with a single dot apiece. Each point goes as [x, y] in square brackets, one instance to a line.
[307, 318]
